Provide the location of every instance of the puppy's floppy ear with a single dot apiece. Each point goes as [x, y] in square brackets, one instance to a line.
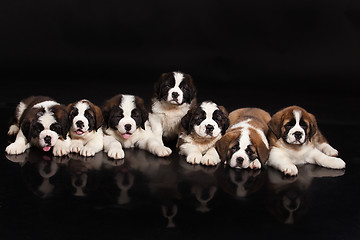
[99, 119]
[313, 127]
[25, 128]
[275, 124]
[139, 102]
[261, 149]
[222, 146]
[185, 121]
[62, 118]
[225, 122]
[158, 85]
[192, 88]
[108, 107]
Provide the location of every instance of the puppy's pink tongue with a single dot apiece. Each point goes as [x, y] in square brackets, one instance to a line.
[46, 148]
[126, 135]
[79, 132]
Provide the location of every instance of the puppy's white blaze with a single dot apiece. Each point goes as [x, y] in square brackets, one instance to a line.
[81, 107]
[245, 125]
[209, 109]
[291, 138]
[47, 119]
[46, 104]
[244, 142]
[178, 78]
[127, 104]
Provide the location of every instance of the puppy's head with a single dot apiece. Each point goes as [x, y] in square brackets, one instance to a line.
[294, 125]
[175, 88]
[45, 124]
[207, 120]
[239, 148]
[125, 113]
[84, 117]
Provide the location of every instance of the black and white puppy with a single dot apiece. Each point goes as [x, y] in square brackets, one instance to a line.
[174, 95]
[86, 134]
[204, 126]
[125, 117]
[40, 121]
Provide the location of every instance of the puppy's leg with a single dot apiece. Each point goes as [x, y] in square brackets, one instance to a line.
[320, 158]
[150, 143]
[191, 152]
[62, 147]
[280, 160]
[19, 146]
[211, 157]
[327, 149]
[156, 127]
[113, 147]
[76, 145]
[95, 145]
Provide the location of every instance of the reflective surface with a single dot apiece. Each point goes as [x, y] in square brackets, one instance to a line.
[144, 196]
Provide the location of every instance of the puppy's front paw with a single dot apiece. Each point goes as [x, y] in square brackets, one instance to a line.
[330, 151]
[87, 151]
[336, 163]
[76, 147]
[61, 150]
[194, 158]
[15, 148]
[210, 159]
[290, 170]
[163, 151]
[255, 164]
[116, 153]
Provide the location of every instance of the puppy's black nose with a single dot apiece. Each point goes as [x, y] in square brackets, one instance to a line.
[47, 140]
[297, 135]
[79, 124]
[209, 128]
[174, 95]
[239, 160]
[127, 127]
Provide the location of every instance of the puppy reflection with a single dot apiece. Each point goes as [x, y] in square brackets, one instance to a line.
[39, 171]
[288, 198]
[83, 180]
[124, 180]
[169, 211]
[240, 183]
[203, 184]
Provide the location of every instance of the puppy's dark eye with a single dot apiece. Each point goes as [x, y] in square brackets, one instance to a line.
[249, 150]
[303, 124]
[55, 127]
[234, 148]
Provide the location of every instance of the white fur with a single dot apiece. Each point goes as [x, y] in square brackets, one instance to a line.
[127, 105]
[285, 158]
[209, 108]
[178, 79]
[88, 143]
[46, 104]
[290, 138]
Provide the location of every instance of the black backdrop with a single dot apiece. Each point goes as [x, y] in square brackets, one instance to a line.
[71, 49]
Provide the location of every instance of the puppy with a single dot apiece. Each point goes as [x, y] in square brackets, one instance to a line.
[204, 125]
[125, 117]
[295, 139]
[40, 121]
[86, 134]
[174, 95]
[245, 144]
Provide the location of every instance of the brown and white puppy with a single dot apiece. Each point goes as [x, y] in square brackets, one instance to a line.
[204, 126]
[125, 118]
[295, 139]
[245, 144]
[86, 134]
[40, 121]
[174, 95]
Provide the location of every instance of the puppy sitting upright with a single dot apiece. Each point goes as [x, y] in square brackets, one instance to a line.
[204, 125]
[174, 95]
[124, 118]
[86, 134]
[40, 121]
[295, 139]
[244, 144]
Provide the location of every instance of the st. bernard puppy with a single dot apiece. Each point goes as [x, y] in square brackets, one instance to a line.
[40, 121]
[295, 139]
[174, 95]
[245, 144]
[204, 126]
[86, 134]
[124, 127]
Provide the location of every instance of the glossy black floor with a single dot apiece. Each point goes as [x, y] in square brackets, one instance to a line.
[145, 197]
